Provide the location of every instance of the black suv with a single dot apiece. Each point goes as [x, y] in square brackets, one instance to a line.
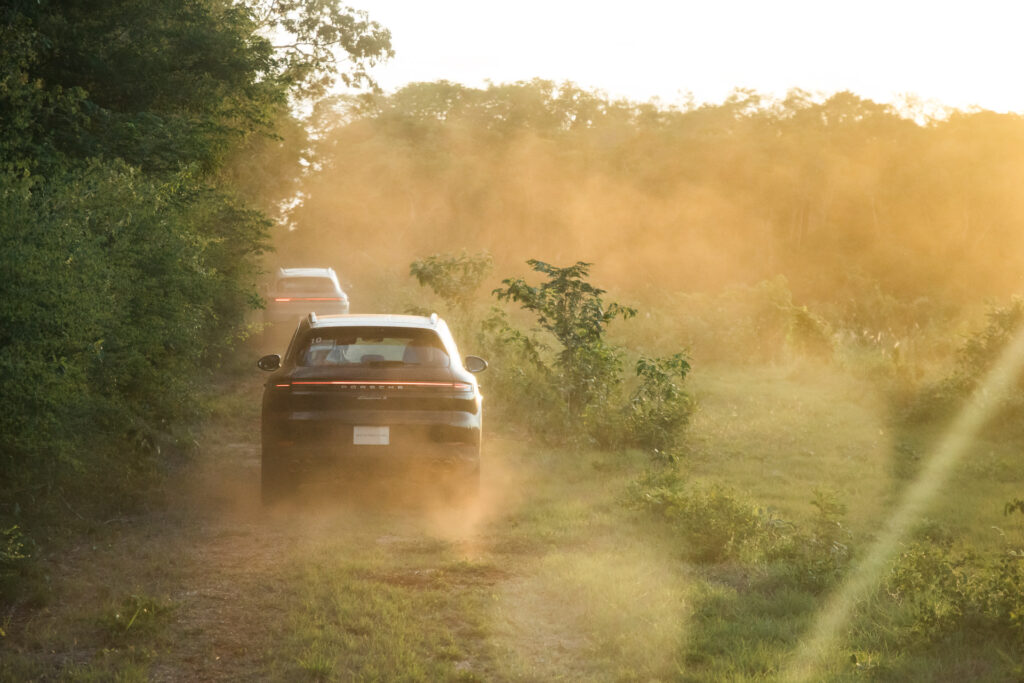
[371, 392]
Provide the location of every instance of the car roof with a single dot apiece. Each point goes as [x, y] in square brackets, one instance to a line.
[375, 320]
[305, 272]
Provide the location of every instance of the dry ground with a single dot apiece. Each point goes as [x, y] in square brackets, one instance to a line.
[523, 583]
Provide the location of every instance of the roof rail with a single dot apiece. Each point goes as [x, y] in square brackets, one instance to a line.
[433, 318]
[312, 318]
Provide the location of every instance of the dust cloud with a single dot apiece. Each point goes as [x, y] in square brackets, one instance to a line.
[840, 195]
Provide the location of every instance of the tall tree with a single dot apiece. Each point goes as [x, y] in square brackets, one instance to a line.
[130, 253]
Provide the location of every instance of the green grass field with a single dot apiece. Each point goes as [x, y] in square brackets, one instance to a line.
[551, 576]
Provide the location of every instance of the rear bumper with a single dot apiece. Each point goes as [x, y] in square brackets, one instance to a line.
[305, 440]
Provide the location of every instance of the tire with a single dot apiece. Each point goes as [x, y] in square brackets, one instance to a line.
[277, 483]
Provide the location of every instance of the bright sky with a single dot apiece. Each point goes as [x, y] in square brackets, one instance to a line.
[957, 53]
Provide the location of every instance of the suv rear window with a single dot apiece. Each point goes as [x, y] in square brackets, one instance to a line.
[373, 346]
[306, 285]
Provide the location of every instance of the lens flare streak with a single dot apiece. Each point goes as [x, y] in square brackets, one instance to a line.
[834, 617]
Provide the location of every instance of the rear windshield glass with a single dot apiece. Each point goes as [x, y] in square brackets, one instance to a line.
[372, 346]
[306, 285]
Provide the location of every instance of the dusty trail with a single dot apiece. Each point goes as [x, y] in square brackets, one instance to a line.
[532, 581]
[210, 552]
[235, 562]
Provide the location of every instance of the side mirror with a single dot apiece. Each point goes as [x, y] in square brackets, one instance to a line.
[475, 364]
[269, 363]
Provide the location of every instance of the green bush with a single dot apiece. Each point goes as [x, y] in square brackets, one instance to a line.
[941, 591]
[453, 278]
[658, 407]
[809, 334]
[567, 376]
[572, 311]
[974, 359]
[742, 324]
[118, 302]
[522, 385]
[717, 524]
[815, 557]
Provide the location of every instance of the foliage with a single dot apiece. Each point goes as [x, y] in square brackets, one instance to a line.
[974, 359]
[453, 278]
[815, 558]
[315, 35]
[565, 378]
[941, 591]
[814, 187]
[717, 524]
[658, 407]
[573, 312]
[809, 334]
[130, 257]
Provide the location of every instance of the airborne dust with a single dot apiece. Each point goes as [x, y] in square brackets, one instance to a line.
[888, 233]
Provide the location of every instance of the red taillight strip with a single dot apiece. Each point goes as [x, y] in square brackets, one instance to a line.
[282, 299]
[348, 383]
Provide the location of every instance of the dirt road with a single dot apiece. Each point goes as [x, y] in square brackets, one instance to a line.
[537, 579]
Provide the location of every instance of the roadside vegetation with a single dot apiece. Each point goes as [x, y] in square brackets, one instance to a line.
[727, 342]
[133, 226]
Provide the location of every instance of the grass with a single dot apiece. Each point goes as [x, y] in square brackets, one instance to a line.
[551, 577]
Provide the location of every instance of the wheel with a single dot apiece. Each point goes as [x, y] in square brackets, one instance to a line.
[276, 481]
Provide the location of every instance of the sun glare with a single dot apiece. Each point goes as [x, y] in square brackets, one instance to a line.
[832, 620]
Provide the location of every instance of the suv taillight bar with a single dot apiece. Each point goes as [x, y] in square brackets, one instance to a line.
[458, 386]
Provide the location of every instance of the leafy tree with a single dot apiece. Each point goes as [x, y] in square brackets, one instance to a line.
[739, 191]
[318, 35]
[130, 250]
[453, 278]
[572, 310]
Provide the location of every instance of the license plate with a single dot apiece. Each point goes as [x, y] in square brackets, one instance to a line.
[371, 436]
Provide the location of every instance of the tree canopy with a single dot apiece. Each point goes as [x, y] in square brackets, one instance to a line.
[131, 243]
[835, 192]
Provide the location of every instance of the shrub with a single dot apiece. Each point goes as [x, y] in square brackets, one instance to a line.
[570, 376]
[809, 334]
[659, 407]
[524, 387]
[942, 591]
[453, 278]
[816, 557]
[974, 359]
[717, 524]
[573, 312]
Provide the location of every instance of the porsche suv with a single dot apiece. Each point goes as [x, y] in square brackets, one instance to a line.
[296, 291]
[357, 393]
